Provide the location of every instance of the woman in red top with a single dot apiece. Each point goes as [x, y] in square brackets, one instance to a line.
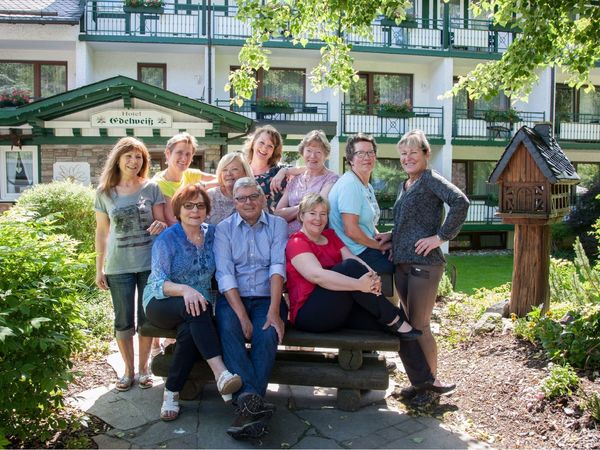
[329, 287]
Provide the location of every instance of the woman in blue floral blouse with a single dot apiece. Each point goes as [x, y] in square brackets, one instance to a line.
[177, 296]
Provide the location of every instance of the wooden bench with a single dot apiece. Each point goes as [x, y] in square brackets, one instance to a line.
[346, 367]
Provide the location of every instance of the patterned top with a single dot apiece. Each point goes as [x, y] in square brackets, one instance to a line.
[221, 206]
[176, 259]
[419, 213]
[168, 188]
[264, 181]
[129, 245]
[302, 185]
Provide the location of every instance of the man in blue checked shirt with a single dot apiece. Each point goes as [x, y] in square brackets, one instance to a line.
[250, 257]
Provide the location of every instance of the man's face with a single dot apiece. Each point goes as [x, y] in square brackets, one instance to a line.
[249, 203]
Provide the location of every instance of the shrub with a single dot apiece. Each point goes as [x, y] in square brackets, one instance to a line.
[39, 325]
[584, 216]
[97, 317]
[445, 288]
[593, 406]
[70, 204]
[562, 380]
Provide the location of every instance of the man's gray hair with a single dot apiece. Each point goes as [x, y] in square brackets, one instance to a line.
[246, 182]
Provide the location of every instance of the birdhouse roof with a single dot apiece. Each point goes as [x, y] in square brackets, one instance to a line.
[544, 150]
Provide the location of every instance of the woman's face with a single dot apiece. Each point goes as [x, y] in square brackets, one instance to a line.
[231, 172]
[413, 160]
[130, 163]
[193, 211]
[263, 148]
[364, 158]
[314, 220]
[180, 156]
[314, 156]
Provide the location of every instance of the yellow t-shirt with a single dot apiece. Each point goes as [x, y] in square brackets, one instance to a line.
[168, 188]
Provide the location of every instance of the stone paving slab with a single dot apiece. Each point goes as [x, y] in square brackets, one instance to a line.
[306, 417]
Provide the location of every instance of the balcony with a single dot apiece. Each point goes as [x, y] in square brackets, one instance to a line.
[110, 20]
[471, 125]
[575, 127]
[297, 111]
[361, 118]
[176, 22]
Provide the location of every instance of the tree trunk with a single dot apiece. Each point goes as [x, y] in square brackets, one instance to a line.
[530, 282]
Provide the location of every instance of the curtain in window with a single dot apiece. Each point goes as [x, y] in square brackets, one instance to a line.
[19, 171]
[391, 88]
[284, 83]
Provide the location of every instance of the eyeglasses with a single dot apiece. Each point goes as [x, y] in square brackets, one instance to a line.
[191, 205]
[245, 198]
[363, 155]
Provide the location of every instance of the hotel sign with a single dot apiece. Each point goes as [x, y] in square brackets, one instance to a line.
[131, 118]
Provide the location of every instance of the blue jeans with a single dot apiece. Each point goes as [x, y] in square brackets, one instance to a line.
[126, 302]
[378, 261]
[254, 366]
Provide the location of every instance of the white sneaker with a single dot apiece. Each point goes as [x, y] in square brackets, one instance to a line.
[228, 383]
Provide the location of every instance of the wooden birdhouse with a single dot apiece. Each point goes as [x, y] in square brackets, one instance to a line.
[536, 181]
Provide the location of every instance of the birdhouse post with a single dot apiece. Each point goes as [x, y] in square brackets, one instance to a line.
[536, 180]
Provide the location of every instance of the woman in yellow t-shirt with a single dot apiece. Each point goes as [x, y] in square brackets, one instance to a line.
[179, 153]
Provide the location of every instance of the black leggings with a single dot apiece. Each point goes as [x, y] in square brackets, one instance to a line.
[327, 310]
[196, 336]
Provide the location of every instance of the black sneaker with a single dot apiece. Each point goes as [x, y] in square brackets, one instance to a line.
[253, 405]
[424, 399]
[247, 427]
[251, 417]
[408, 392]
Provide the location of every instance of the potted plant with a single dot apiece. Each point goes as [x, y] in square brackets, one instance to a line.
[144, 6]
[403, 110]
[273, 105]
[506, 116]
[15, 97]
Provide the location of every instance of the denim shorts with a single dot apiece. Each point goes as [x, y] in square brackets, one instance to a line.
[126, 301]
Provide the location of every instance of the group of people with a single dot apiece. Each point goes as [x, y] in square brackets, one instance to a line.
[260, 227]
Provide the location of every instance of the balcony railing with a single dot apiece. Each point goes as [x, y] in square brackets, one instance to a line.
[188, 22]
[297, 111]
[578, 127]
[472, 125]
[360, 118]
[478, 35]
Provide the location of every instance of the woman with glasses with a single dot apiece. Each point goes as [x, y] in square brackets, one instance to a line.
[177, 296]
[354, 211]
[232, 167]
[263, 150]
[314, 149]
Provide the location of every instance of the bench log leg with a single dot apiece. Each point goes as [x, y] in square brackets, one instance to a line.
[348, 399]
[350, 359]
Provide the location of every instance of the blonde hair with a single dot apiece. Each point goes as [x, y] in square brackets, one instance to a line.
[277, 143]
[111, 173]
[310, 202]
[182, 137]
[414, 139]
[315, 136]
[228, 159]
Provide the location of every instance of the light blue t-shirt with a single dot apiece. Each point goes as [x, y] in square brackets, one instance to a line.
[350, 196]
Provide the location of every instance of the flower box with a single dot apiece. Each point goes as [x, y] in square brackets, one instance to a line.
[144, 9]
[274, 109]
[396, 111]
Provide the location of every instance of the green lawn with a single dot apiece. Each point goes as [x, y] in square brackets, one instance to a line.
[475, 271]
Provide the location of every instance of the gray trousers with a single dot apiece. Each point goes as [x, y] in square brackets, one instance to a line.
[417, 287]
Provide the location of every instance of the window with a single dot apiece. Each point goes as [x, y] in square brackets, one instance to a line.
[577, 105]
[287, 84]
[471, 177]
[469, 108]
[378, 88]
[154, 74]
[17, 170]
[41, 79]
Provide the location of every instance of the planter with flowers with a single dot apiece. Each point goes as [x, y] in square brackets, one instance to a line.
[273, 105]
[403, 110]
[504, 116]
[144, 6]
[14, 97]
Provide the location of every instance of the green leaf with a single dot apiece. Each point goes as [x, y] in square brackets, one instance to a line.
[37, 322]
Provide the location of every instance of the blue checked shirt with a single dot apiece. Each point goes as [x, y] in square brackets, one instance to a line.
[247, 257]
